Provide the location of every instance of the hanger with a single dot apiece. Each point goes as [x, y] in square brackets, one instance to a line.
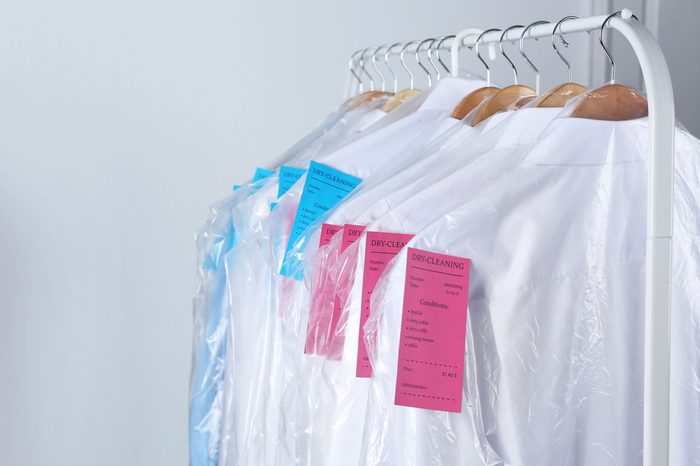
[353, 101]
[612, 102]
[376, 69]
[471, 101]
[509, 95]
[561, 94]
[527, 99]
[420, 63]
[400, 97]
[437, 53]
[434, 45]
[364, 96]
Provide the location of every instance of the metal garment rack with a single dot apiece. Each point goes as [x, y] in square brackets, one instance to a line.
[657, 300]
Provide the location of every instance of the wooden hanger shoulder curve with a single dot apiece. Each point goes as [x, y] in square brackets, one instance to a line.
[471, 101]
[559, 96]
[367, 96]
[612, 102]
[502, 100]
[399, 98]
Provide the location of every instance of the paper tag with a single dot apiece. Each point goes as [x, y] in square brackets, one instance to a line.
[323, 189]
[380, 249]
[327, 232]
[288, 176]
[261, 173]
[318, 325]
[351, 233]
[433, 329]
[236, 187]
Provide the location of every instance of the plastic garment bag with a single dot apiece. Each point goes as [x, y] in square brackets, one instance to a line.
[253, 282]
[554, 347]
[248, 215]
[341, 395]
[259, 416]
[310, 334]
[214, 240]
[210, 328]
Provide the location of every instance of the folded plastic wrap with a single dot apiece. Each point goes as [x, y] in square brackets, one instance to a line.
[337, 404]
[213, 241]
[554, 346]
[249, 287]
[231, 215]
[294, 296]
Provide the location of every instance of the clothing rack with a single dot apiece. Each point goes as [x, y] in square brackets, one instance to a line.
[659, 228]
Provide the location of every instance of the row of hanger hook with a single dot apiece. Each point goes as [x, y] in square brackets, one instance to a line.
[435, 45]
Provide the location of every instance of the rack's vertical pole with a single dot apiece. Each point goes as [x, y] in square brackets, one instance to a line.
[657, 309]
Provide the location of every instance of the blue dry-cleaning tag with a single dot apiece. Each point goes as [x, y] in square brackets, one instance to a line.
[261, 173]
[288, 176]
[323, 189]
[236, 187]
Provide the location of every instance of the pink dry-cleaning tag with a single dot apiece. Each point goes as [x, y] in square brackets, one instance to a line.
[433, 329]
[313, 343]
[381, 248]
[351, 233]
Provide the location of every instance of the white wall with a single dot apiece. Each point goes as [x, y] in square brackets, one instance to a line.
[120, 122]
[677, 29]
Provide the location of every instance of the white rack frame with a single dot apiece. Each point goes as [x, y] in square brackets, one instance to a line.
[657, 300]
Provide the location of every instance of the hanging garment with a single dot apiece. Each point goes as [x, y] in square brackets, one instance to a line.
[553, 365]
[340, 397]
[254, 308]
[214, 240]
[248, 215]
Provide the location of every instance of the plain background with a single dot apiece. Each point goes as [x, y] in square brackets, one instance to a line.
[121, 121]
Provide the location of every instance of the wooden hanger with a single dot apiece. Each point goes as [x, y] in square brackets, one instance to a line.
[471, 101]
[611, 102]
[475, 98]
[507, 97]
[561, 94]
[405, 94]
[367, 96]
[399, 98]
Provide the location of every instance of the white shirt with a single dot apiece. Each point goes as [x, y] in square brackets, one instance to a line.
[554, 356]
[372, 158]
[343, 397]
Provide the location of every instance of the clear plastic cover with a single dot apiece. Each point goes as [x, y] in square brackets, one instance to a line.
[233, 214]
[554, 348]
[213, 241]
[249, 287]
[342, 400]
[551, 212]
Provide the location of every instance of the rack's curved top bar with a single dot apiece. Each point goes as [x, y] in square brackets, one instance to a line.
[657, 303]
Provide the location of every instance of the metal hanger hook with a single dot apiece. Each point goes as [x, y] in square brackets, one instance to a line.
[352, 64]
[522, 52]
[481, 59]
[564, 43]
[376, 69]
[500, 47]
[417, 53]
[403, 62]
[388, 64]
[437, 52]
[602, 44]
[431, 48]
[364, 70]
